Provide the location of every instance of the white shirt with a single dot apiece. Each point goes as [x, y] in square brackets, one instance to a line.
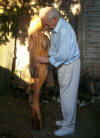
[64, 47]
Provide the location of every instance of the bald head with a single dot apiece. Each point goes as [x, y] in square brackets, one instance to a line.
[49, 17]
[49, 13]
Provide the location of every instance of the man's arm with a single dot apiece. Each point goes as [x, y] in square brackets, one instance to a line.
[43, 60]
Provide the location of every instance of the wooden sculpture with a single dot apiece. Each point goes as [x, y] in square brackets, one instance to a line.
[38, 45]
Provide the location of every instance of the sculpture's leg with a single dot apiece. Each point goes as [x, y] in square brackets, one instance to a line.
[36, 117]
[36, 113]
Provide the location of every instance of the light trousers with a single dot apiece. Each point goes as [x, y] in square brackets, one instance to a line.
[68, 77]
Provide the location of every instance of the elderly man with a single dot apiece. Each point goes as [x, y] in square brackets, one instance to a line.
[63, 54]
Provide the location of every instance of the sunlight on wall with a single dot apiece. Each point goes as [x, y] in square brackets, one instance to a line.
[22, 55]
[7, 53]
[22, 61]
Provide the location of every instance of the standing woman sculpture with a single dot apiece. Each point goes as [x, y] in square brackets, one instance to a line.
[38, 45]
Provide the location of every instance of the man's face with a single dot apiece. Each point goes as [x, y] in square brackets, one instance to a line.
[49, 24]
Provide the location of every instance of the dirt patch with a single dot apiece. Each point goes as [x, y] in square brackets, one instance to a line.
[15, 118]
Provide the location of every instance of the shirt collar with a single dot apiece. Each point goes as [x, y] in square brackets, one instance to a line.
[58, 25]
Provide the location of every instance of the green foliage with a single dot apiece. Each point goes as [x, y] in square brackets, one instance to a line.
[9, 12]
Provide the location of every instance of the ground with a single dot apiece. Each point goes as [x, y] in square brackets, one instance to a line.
[15, 119]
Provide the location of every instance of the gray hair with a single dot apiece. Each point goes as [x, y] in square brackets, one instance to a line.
[49, 12]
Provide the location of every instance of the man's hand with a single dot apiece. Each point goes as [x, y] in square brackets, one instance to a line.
[43, 60]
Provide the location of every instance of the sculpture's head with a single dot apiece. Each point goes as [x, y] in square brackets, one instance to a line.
[35, 25]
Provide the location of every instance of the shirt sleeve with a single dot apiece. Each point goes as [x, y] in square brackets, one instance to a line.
[62, 49]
